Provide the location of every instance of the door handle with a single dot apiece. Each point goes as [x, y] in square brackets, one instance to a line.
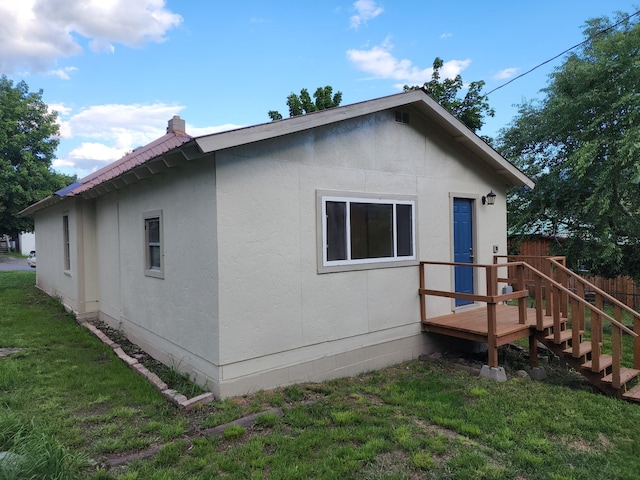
[471, 255]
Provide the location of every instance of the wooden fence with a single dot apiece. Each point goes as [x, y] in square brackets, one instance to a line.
[622, 288]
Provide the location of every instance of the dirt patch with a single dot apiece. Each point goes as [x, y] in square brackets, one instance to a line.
[5, 352]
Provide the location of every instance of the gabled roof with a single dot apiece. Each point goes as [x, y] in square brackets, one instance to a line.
[416, 98]
[176, 146]
[140, 156]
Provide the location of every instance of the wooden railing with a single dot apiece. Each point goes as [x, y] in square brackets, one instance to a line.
[491, 298]
[542, 264]
[552, 298]
[599, 298]
[552, 289]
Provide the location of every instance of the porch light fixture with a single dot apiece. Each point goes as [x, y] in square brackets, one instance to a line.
[490, 199]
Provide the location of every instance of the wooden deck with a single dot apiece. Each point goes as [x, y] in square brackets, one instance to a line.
[558, 320]
[471, 324]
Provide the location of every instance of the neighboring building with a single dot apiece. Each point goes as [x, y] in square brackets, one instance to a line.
[283, 252]
[27, 241]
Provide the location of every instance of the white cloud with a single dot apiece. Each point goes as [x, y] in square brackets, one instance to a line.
[36, 33]
[102, 134]
[379, 62]
[63, 73]
[365, 11]
[101, 46]
[97, 152]
[446, 35]
[61, 108]
[506, 73]
[452, 68]
[65, 129]
[148, 121]
[60, 163]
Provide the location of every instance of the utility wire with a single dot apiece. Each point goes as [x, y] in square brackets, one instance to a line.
[560, 54]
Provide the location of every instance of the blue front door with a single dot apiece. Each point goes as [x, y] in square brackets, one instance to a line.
[463, 246]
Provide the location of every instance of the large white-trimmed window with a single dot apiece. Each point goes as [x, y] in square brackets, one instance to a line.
[364, 231]
[66, 245]
[153, 244]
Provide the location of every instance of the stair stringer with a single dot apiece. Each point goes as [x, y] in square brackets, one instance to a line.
[595, 378]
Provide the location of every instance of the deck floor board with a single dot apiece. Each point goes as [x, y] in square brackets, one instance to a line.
[472, 323]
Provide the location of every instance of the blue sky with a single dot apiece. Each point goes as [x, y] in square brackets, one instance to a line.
[118, 70]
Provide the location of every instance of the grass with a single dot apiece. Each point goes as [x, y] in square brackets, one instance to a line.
[13, 254]
[68, 405]
[34, 452]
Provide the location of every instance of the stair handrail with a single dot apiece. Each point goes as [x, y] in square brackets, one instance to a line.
[552, 259]
[546, 268]
[616, 333]
[617, 304]
[610, 298]
[576, 297]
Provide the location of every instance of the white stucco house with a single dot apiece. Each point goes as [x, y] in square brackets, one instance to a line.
[278, 253]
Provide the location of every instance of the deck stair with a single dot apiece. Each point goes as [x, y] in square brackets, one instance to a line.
[4, 244]
[563, 318]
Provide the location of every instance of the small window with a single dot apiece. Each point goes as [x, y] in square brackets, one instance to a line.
[358, 231]
[66, 243]
[154, 255]
[402, 117]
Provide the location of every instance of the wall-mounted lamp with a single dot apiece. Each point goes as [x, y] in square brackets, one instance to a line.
[490, 199]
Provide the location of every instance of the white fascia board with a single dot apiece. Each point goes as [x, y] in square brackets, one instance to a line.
[473, 142]
[263, 131]
[417, 98]
[44, 203]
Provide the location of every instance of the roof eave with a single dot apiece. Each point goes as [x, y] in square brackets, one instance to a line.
[286, 126]
[150, 167]
[471, 141]
[459, 132]
[92, 189]
[44, 203]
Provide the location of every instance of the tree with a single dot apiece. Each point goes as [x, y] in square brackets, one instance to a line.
[28, 142]
[581, 144]
[470, 110]
[299, 105]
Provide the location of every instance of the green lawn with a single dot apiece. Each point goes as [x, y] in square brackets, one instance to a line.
[68, 405]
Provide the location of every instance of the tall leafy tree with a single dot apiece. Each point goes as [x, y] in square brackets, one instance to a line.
[28, 140]
[581, 143]
[301, 104]
[469, 109]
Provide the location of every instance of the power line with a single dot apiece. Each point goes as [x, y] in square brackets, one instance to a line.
[560, 54]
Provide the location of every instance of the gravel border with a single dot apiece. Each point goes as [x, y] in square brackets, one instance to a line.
[173, 396]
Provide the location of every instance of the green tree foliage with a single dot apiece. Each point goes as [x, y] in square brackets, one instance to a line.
[301, 104]
[28, 142]
[581, 144]
[470, 109]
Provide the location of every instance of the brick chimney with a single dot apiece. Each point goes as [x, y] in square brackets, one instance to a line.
[176, 125]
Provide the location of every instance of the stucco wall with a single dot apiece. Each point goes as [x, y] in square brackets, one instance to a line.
[51, 275]
[176, 317]
[108, 257]
[276, 310]
[87, 259]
